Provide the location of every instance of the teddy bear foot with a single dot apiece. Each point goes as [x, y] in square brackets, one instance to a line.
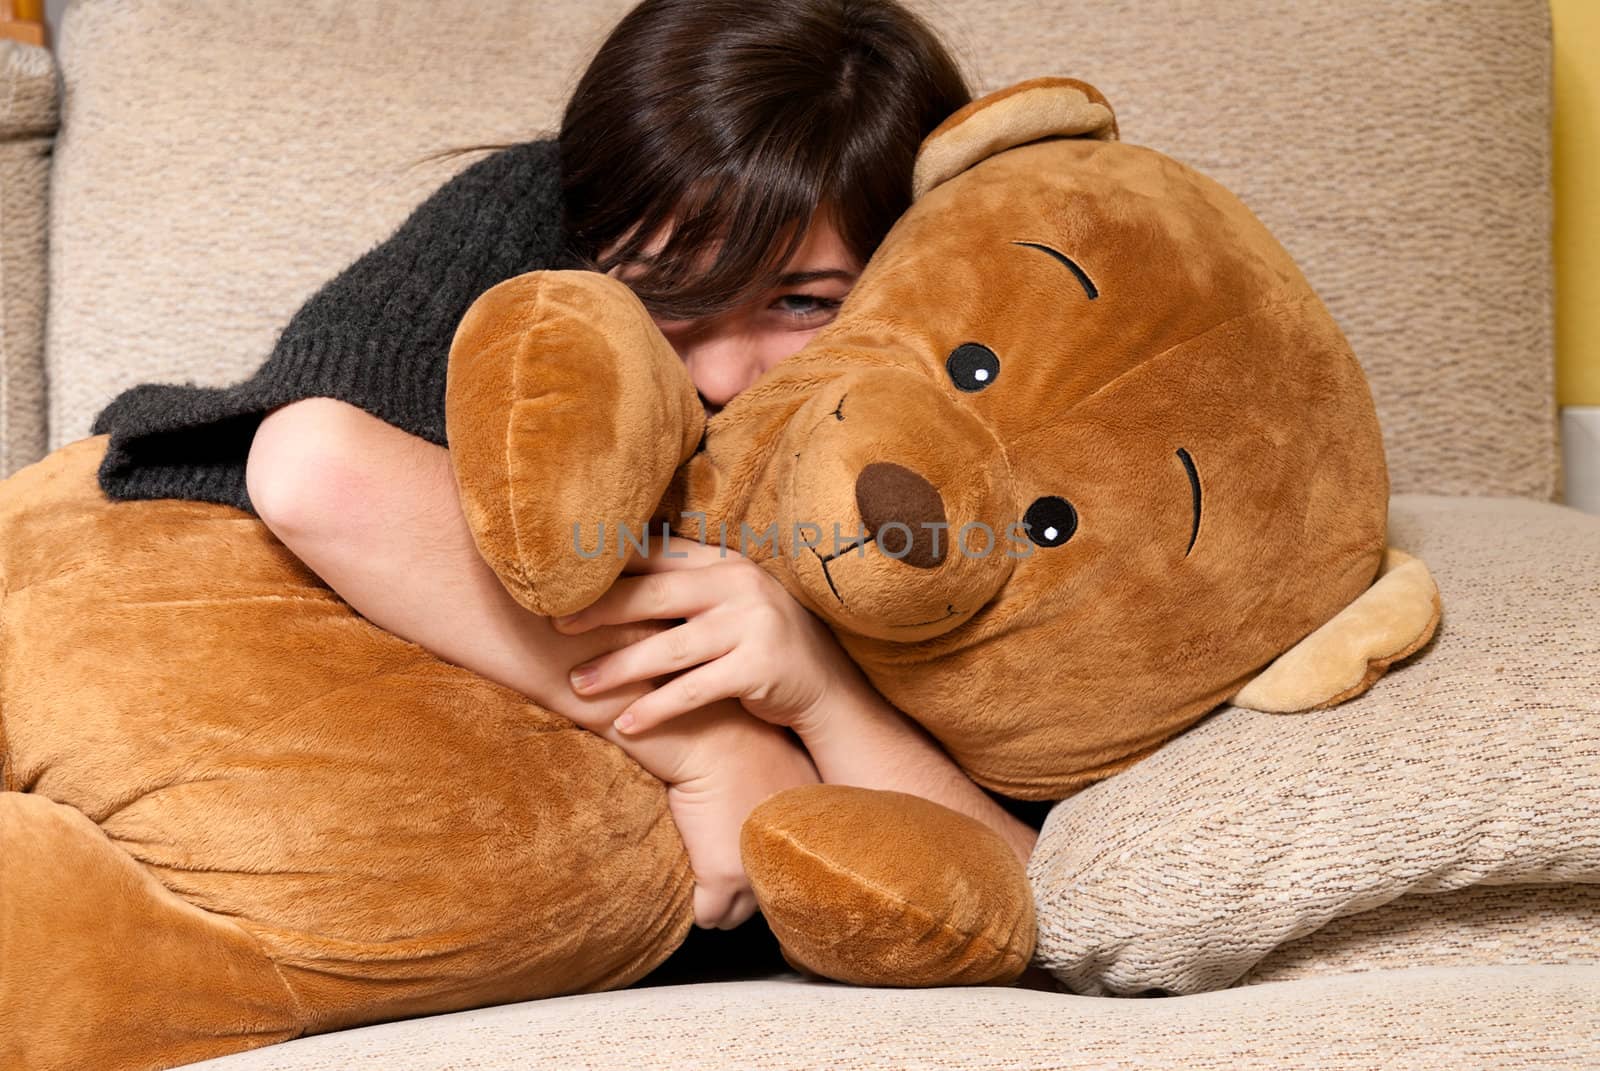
[884, 888]
[161, 983]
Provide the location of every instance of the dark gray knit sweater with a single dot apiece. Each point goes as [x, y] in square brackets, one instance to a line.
[377, 335]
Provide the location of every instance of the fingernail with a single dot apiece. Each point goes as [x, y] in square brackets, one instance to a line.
[564, 621]
[624, 723]
[582, 677]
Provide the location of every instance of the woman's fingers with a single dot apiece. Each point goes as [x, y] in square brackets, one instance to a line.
[637, 599]
[722, 909]
[676, 553]
[677, 648]
[688, 691]
[640, 598]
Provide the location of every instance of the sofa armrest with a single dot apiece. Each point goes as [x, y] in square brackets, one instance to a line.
[28, 117]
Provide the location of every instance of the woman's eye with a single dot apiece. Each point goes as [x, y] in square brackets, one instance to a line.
[807, 306]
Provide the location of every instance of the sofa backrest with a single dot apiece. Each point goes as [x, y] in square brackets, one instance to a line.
[217, 161]
[28, 110]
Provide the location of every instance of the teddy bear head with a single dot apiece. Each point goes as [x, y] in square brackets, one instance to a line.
[1082, 453]
[1082, 457]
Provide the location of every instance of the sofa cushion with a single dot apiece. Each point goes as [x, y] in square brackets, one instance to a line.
[1472, 763]
[27, 126]
[1424, 1018]
[1507, 924]
[221, 160]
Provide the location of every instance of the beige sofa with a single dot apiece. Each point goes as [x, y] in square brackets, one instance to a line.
[1410, 880]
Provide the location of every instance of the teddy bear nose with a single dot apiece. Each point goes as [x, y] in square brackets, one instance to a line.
[890, 494]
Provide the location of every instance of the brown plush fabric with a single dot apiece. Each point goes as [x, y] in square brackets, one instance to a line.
[1059, 669]
[844, 873]
[555, 449]
[304, 822]
[1391, 620]
[366, 832]
[1028, 111]
[92, 946]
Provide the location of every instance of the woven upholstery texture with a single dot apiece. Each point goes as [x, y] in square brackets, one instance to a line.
[1505, 924]
[218, 161]
[27, 125]
[1501, 1017]
[1474, 762]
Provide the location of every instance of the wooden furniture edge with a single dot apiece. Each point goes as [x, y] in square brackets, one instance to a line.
[23, 20]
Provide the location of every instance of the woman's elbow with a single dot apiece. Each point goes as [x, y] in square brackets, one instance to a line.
[302, 474]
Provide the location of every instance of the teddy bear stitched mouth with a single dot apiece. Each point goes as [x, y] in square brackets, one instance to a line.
[949, 607]
[825, 560]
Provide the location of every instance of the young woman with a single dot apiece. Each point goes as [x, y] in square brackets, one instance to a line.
[735, 163]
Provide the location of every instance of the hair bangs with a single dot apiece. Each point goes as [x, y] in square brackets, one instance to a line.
[719, 128]
[747, 221]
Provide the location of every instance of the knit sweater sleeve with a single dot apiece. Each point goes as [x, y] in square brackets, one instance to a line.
[377, 335]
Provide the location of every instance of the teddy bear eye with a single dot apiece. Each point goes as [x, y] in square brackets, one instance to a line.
[972, 366]
[1050, 521]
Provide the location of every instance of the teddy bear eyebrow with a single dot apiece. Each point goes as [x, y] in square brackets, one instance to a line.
[1082, 276]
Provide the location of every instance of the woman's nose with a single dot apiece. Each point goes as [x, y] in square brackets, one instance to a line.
[721, 368]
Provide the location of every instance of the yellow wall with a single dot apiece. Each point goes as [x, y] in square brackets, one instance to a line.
[1577, 191]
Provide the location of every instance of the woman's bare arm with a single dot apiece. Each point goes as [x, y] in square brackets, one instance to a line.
[858, 738]
[374, 511]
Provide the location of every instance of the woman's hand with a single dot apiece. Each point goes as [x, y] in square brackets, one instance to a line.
[746, 638]
[729, 762]
[743, 637]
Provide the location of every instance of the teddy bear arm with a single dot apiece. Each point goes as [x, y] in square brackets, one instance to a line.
[1389, 621]
[884, 888]
[567, 416]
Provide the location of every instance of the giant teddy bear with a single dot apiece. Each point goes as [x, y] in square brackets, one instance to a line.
[235, 811]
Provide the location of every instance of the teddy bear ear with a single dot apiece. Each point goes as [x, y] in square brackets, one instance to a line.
[1028, 111]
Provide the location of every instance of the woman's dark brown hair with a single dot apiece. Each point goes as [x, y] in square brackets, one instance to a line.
[741, 118]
